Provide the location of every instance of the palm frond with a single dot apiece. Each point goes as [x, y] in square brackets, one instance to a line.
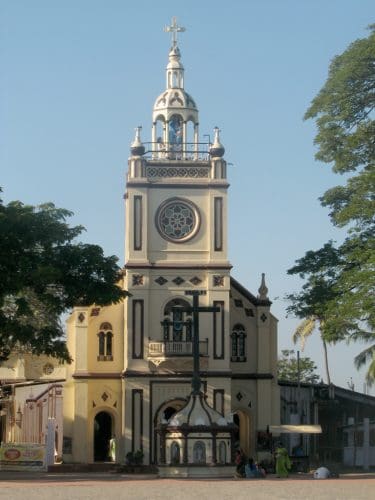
[370, 375]
[304, 330]
[365, 356]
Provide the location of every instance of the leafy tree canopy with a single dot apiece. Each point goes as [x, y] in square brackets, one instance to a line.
[322, 294]
[43, 273]
[339, 284]
[344, 115]
[287, 368]
[344, 106]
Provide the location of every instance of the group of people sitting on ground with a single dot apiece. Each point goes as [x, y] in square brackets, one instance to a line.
[247, 467]
[250, 469]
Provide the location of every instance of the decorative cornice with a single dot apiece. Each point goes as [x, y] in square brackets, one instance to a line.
[177, 266]
[252, 376]
[177, 163]
[21, 382]
[188, 374]
[167, 185]
[96, 375]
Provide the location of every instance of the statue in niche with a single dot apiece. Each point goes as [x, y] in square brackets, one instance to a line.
[175, 133]
[175, 453]
[199, 453]
[222, 452]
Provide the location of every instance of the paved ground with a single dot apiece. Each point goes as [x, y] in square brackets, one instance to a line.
[105, 486]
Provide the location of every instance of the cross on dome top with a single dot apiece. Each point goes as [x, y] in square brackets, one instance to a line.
[174, 28]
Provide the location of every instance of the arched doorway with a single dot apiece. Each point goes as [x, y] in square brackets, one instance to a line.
[102, 435]
[163, 414]
[243, 438]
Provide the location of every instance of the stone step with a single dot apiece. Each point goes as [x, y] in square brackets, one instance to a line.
[95, 467]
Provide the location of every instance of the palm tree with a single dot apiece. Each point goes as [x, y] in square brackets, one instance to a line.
[304, 330]
[367, 355]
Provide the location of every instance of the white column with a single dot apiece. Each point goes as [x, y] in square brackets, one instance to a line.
[166, 135]
[196, 139]
[153, 140]
[184, 137]
[50, 442]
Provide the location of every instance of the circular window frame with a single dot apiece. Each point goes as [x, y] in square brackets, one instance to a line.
[196, 224]
[48, 369]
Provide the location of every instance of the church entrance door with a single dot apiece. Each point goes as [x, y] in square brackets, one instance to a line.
[102, 436]
[243, 437]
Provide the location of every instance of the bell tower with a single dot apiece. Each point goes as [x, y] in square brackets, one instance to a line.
[176, 244]
[176, 200]
[176, 225]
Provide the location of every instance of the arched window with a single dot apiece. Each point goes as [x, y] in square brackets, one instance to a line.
[105, 337]
[101, 336]
[177, 323]
[199, 452]
[238, 343]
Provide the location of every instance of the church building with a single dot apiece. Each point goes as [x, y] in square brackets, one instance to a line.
[133, 361]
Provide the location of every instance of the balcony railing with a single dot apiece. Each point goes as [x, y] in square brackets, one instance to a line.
[173, 348]
[186, 151]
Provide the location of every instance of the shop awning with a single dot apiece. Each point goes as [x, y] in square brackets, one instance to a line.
[295, 429]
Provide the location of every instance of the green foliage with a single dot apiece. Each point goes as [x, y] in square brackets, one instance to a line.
[134, 458]
[321, 293]
[344, 114]
[340, 282]
[287, 368]
[343, 108]
[43, 273]
[364, 357]
[319, 270]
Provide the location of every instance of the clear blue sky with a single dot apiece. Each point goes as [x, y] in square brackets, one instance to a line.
[78, 75]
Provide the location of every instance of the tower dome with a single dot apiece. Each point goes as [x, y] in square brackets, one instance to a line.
[175, 99]
[175, 113]
[197, 413]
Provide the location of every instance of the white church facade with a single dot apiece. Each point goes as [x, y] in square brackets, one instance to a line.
[133, 362]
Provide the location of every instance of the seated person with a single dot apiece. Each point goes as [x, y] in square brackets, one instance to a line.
[252, 470]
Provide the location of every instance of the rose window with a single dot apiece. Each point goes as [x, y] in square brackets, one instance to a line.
[177, 220]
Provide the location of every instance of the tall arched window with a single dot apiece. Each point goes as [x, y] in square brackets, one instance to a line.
[105, 344]
[238, 343]
[177, 323]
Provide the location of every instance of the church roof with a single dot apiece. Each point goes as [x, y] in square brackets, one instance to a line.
[248, 295]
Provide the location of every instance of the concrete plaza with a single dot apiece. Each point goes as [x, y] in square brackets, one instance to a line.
[105, 486]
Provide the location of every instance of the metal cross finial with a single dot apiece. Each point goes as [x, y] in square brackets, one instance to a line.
[174, 28]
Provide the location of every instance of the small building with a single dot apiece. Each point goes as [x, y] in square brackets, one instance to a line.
[31, 394]
[359, 443]
[340, 412]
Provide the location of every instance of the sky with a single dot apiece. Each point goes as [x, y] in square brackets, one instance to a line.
[77, 76]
